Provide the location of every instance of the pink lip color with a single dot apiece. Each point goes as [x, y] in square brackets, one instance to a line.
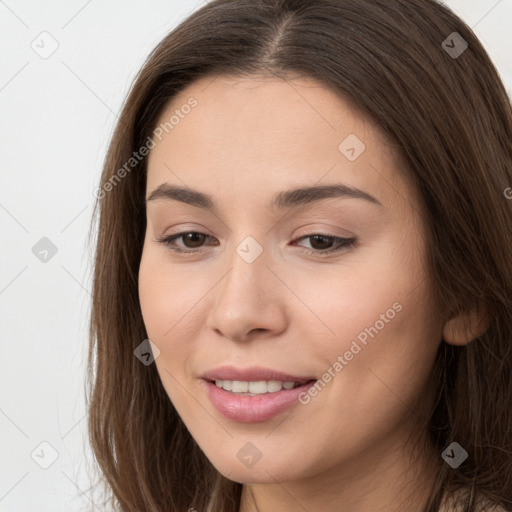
[252, 409]
[252, 374]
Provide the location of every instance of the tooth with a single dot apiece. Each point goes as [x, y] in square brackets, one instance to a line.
[240, 386]
[254, 387]
[258, 387]
[274, 385]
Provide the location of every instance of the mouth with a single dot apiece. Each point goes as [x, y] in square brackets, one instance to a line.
[255, 388]
[254, 401]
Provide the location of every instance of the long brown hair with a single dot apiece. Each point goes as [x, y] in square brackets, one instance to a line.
[450, 120]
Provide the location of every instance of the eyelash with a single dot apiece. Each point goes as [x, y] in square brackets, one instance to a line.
[343, 243]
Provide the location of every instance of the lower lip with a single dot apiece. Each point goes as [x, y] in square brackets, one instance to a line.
[252, 409]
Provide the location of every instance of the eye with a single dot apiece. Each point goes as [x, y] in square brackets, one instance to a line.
[325, 243]
[194, 240]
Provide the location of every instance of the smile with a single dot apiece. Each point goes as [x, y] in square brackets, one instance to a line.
[247, 388]
[254, 401]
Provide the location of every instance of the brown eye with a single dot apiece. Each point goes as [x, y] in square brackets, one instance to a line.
[193, 240]
[320, 244]
[323, 244]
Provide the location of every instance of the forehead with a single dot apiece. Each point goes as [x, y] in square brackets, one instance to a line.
[252, 133]
[263, 112]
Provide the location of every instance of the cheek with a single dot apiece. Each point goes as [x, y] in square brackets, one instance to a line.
[163, 303]
[377, 315]
[387, 351]
[170, 300]
[166, 293]
[154, 297]
[341, 301]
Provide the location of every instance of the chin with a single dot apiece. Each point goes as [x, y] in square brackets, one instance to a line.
[253, 476]
[261, 473]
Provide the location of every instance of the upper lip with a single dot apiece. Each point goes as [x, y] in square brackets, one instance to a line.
[253, 374]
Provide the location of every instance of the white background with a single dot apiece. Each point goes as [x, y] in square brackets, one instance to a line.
[57, 115]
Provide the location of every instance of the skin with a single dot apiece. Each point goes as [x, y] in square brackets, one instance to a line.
[247, 139]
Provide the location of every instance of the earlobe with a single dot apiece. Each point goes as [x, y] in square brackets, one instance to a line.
[463, 329]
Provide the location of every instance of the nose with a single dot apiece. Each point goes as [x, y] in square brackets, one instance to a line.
[248, 301]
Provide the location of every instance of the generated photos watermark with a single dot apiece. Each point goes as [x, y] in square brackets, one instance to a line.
[138, 156]
[343, 360]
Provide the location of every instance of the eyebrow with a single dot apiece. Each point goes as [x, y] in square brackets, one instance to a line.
[283, 200]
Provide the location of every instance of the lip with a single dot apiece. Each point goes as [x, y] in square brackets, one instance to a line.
[253, 374]
[257, 408]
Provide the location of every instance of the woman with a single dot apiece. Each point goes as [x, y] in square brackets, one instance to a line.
[302, 290]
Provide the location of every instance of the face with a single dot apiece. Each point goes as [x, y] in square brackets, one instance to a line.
[325, 287]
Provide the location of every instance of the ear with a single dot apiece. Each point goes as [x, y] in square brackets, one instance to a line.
[463, 329]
